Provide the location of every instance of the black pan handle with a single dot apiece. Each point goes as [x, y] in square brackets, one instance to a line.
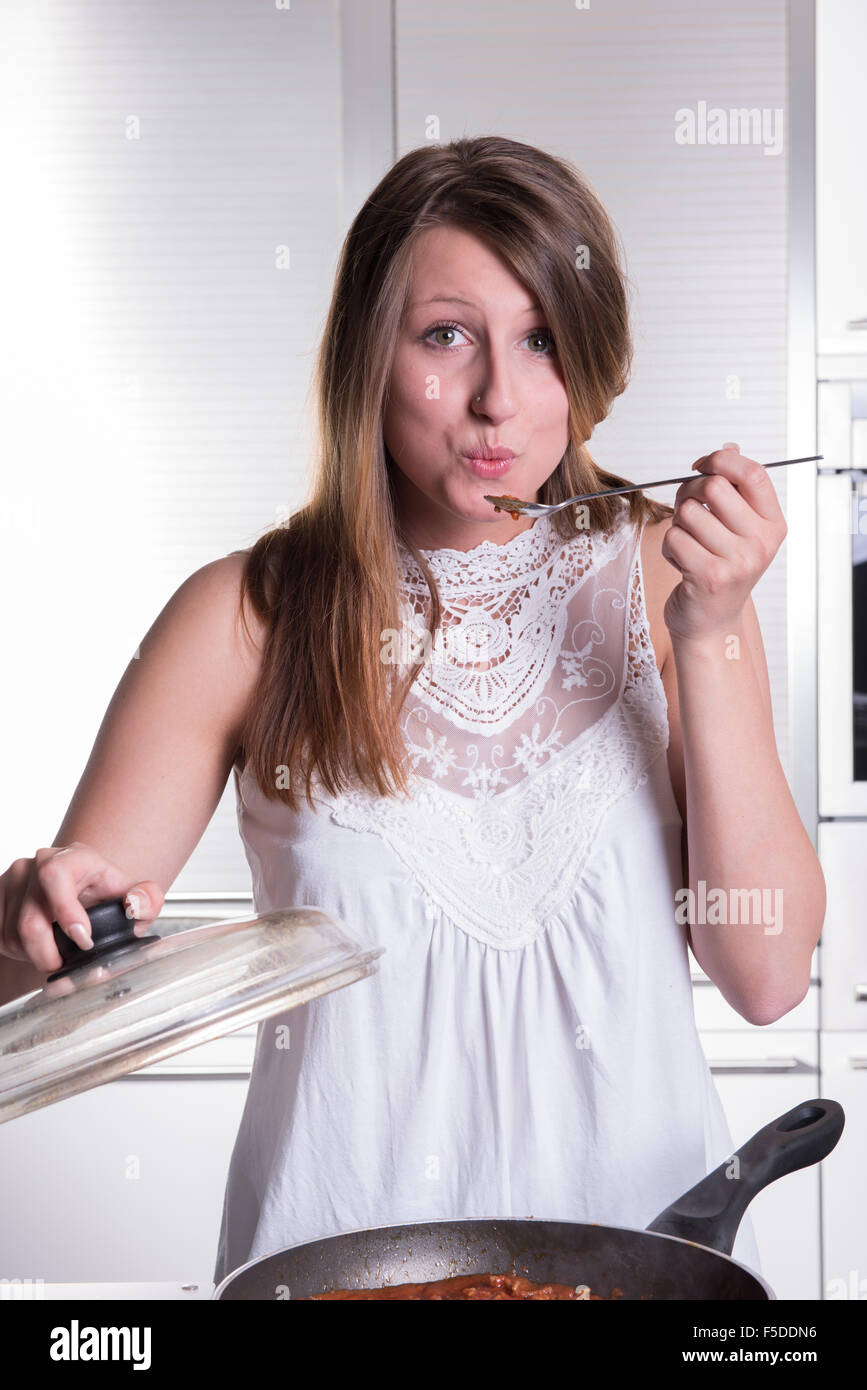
[111, 930]
[711, 1212]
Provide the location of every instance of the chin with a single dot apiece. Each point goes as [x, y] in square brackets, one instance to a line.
[476, 509]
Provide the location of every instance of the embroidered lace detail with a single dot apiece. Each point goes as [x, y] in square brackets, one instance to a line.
[497, 836]
[503, 631]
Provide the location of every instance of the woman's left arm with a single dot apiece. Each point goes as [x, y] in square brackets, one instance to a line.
[757, 884]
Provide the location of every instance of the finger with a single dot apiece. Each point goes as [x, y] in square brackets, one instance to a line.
[698, 463]
[684, 552]
[707, 529]
[143, 903]
[722, 501]
[751, 480]
[34, 930]
[79, 876]
[694, 487]
[64, 882]
[14, 886]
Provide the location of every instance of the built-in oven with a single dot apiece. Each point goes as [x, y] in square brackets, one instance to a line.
[842, 599]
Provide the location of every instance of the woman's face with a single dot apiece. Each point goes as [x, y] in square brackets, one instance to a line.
[496, 347]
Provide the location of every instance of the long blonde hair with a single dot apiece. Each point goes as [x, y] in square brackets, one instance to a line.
[327, 581]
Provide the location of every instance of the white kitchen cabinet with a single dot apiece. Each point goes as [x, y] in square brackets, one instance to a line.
[841, 191]
[843, 852]
[844, 1207]
[759, 1079]
[123, 1182]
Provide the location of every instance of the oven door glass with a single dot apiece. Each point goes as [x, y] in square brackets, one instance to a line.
[842, 642]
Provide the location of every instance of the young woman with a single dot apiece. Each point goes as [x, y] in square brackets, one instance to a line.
[500, 748]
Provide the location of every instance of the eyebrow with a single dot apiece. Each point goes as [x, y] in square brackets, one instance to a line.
[457, 299]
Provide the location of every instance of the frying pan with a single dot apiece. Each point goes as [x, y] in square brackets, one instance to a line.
[685, 1253]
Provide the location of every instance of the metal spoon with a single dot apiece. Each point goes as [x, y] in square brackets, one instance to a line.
[514, 504]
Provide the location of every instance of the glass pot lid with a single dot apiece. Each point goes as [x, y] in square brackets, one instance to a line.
[133, 1000]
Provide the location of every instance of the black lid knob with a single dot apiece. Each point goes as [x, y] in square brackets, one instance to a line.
[111, 930]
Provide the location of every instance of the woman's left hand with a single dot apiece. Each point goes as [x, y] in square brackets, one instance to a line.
[723, 548]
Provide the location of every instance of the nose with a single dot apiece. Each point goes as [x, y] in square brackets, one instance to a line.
[493, 393]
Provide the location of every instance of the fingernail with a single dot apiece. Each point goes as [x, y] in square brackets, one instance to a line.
[80, 936]
[133, 905]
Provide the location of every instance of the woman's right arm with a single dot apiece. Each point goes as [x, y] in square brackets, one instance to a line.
[156, 773]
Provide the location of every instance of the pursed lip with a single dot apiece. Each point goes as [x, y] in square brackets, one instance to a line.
[490, 454]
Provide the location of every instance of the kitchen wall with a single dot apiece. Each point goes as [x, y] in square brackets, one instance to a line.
[195, 167]
[182, 165]
[704, 225]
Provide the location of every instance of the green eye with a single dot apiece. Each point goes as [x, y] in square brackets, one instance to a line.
[456, 328]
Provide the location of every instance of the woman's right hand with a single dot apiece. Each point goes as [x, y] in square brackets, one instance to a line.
[56, 885]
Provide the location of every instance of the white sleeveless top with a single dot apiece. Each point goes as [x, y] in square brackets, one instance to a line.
[527, 1045]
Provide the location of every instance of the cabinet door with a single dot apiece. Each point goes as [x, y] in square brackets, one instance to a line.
[121, 1183]
[843, 852]
[844, 1206]
[759, 1078]
[841, 191]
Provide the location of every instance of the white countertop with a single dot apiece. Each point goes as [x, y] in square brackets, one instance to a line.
[34, 1290]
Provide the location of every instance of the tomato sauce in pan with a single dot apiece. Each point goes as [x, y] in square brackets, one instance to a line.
[511, 1287]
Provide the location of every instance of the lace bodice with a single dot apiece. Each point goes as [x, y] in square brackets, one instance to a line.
[539, 706]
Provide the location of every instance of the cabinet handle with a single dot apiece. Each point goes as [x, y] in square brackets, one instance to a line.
[859, 1063]
[856, 324]
[754, 1064]
[814, 979]
[860, 993]
[177, 1067]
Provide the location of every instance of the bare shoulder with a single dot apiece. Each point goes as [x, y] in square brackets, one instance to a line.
[660, 577]
[203, 626]
[223, 577]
